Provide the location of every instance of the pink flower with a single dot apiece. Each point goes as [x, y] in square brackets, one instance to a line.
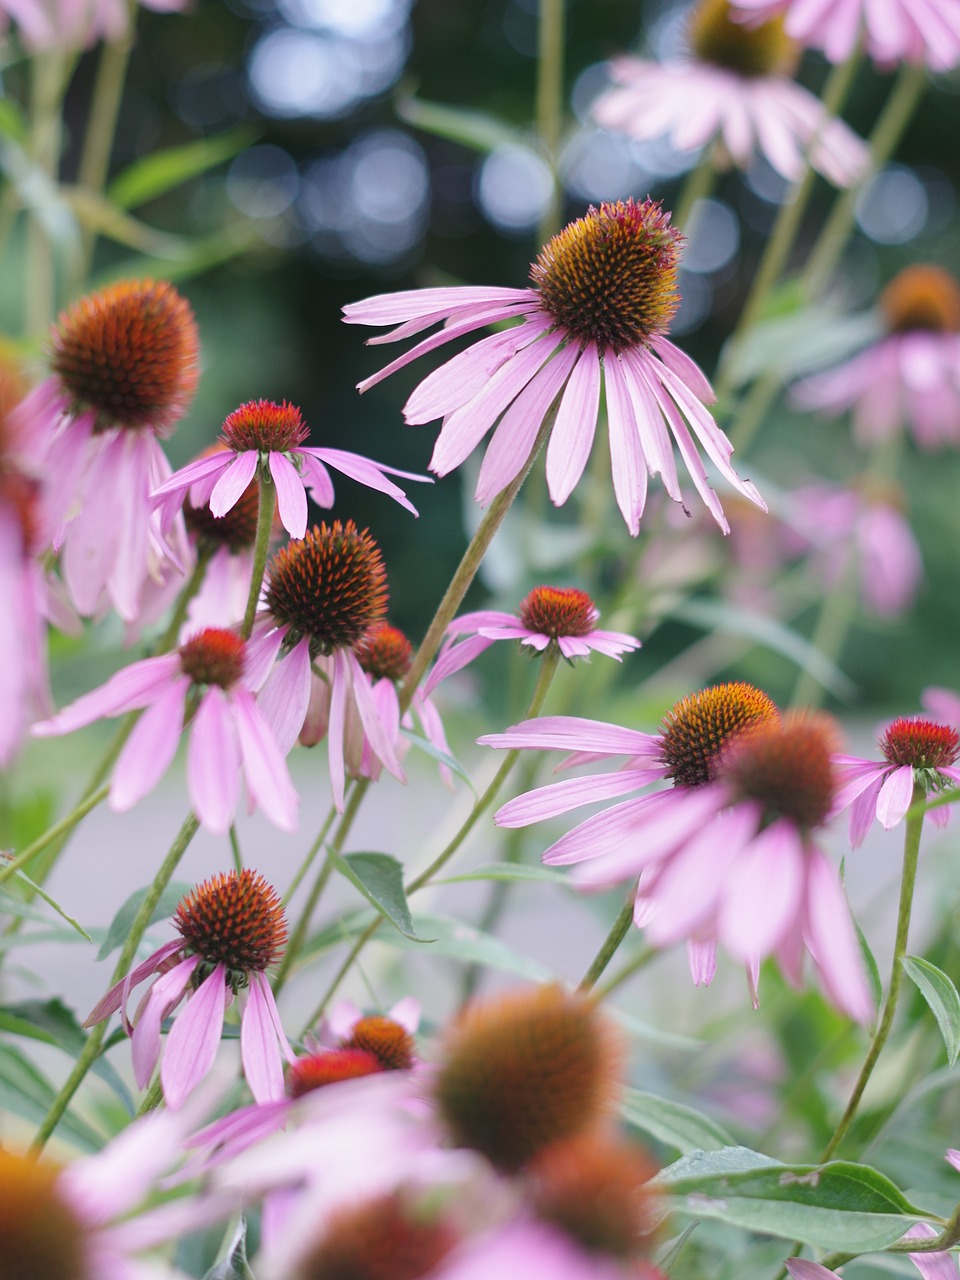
[917, 752]
[932, 1266]
[324, 593]
[733, 87]
[24, 686]
[526, 1248]
[265, 435]
[921, 31]
[729, 855]
[124, 371]
[229, 733]
[909, 377]
[232, 929]
[603, 294]
[74, 24]
[559, 616]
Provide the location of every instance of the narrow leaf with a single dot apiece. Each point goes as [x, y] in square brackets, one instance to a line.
[870, 964]
[25, 1091]
[672, 1123]
[452, 763]
[473, 129]
[163, 170]
[96, 213]
[941, 995]
[508, 871]
[120, 925]
[379, 877]
[51, 902]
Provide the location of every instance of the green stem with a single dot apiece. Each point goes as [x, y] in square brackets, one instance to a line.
[698, 184]
[550, 106]
[46, 91]
[886, 134]
[639, 961]
[311, 854]
[235, 847]
[101, 129]
[151, 1099]
[911, 851]
[141, 922]
[607, 951]
[53, 833]
[261, 546]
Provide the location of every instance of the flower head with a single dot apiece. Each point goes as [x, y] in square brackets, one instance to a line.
[62, 25]
[268, 437]
[732, 89]
[215, 673]
[602, 297]
[559, 618]
[917, 753]
[911, 375]
[232, 929]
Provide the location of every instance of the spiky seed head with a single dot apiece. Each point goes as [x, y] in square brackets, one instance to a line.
[389, 1042]
[786, 767]
[384, 652]
[330, 586]
[129, 354]
[611, 276]
[235, 919]
[757, 49]
[41, 1237]
[558, 611]
[329, 1066]
[264, 426]
[698, 727]
[921, 743]
[237, 530]
[922, 296]
[592, 1187]
[213, 656]
[524, 1070]
[389, 1237]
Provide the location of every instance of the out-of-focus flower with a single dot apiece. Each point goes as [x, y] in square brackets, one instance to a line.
[267, 437]
[932, 1266]
[124, 370]
[324, 593]
[729, 855]
[603, 295]
[920, 31]
[213, 674]
[74, 24]
[559, 617]
[911, 376]
[232, 929]
[917, 753]
[733, 86]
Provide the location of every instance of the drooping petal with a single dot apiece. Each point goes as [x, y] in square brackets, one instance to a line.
[895, 796]
[259, 1053]
[164, 995]
[264, 768]
[213, 762]
[150, 748]
[234, 482]
[285, 697]
[134, 687]
[573, 733]
[833, 941]
[291, 499]
[194, 1039]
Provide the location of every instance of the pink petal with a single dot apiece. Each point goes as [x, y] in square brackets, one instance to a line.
[895, 796]
[262, 1066]
[373, 727]
[112, 1000]
[762, 891]
[339, 680]
[455, 659]
[285, 697]
[291, 499]
[561, 797]
[573, 733]
[626, 457]
[213, 762]
[574, 428]
[932, 1266]
[804, 1269]
[702, 959]
[833, 941]
[264, 767]
[134, 687]
[234, 482]
[164, 995]
[150, 748]
[194, 1039]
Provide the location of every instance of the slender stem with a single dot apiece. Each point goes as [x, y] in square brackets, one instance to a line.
[141, 922]
[235, 847]
[837, 610]
[53, 833]
[151, 1099]
[261, 546]
[911, 850]
[698, 184]
[46, 89]
[607, 951]
[886, 134]
[550, 106]
[101, 129]
[639, 961]
[311, 854]
[467, 569]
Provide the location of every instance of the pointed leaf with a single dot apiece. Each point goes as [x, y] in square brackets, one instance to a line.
[452, 763]
[379, 877]
[120, 925]
[473, 129]
[42, 893]
[672, 1123]
[25, 1091]
[161, 171]
[509, 871]
[941, 995]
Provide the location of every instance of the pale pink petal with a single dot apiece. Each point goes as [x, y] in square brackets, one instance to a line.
[895, 796]
[833, 941]
[264, 768]
[285, 697]
[291, 499]
[373, 728]
[762, 892]
[372, 474]
[561, 797]
[574, 427]
[702, 959]
[455, 659]
[394, 308]
[932, 1266]
[134, 687]
[111, 1002]
[339, 680]
[164, 995]
[194, 1039]
[573, 733]
[213, 763]
[234, 482]
[627, 463]
[150, 748]
[804, 1269]
[262, 1065]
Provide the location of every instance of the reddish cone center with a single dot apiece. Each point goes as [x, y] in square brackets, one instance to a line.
[922, 297]
[761, 49]
[264, 426]
[923, 744]
[40, 1235]
[384, 652]
[558, 611]
[237, 530]
[611, 276]
[317, 1070]
[389, 1042]
[385, 1238]
[213, 656]
[233, 919]
[786, 768]
[698, 727]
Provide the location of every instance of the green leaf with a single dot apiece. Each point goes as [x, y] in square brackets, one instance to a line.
[837, 1206]
[668, 1254]
[163, 170]
[197, 255]
[120, 925]
[870, 964]
[12, 123]
[471, 946]
[25, 1091]
[96, 213]
[672, 1123]
[443, 757]
[231, 1260]
[51, 902]
[379, 877]
[474, 129]
[509, 871]
[796, 343]
[941, 995]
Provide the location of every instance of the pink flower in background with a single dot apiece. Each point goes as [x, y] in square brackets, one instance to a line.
[232, 929]
[603, 295]
[229, 733]
[920, 31]
[262, 433]
[932, 1266]
[74, 24]
[734, 87]
[562, 617]
[917, 752]
[911, 376]
[527, 1248]
[943, 703]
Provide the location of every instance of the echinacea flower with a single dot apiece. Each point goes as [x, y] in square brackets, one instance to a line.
[603, 295]
[911, 375]
[213, 675]
[124, 370]
[266, 438]
[917, 753]
[729, 855]
[734, 87]
[232, 929]
[68, 25]
[323, 594]
[932, 1265]
[926, 32]
[561, 617]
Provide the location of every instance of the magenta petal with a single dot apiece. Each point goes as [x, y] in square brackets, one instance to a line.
[895, 796]
[163, 996]
[804, 1269]
[233, 483]
[932, 1266]
[111, 1001]
[194, 1039]
[762, 891]
[291, 499]
[560, 797]
[264, 767]
[574, 428]
[833, 941]
[134, 687]
[258, 1043]
[213, 762]
[150, 748]
[285, 697]
[454, 659]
